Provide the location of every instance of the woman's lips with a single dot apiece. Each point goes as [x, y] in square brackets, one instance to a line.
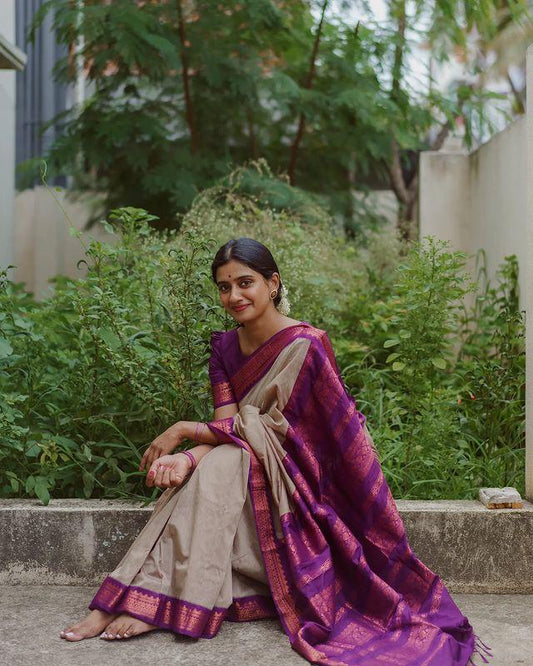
[241, 307]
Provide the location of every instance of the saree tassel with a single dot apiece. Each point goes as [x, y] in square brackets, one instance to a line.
[471, 662]
[487, 649]
[479, 647]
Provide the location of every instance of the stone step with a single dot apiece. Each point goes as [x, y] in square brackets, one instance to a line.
[77, 542]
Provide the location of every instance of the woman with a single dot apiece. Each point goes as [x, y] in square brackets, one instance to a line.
[288, 516]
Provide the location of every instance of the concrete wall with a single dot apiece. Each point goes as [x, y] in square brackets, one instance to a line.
[485, 200]
[472, 548]
[44, 246]
[7, 140]
[479, 200]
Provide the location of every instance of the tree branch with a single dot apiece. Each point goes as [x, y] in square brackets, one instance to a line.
[307, 85]
[185, 78]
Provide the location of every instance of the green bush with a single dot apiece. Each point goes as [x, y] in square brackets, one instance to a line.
[91, 375]
[442, 384]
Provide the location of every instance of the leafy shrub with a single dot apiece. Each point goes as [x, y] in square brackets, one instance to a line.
[106, 363]
[418, 394]
[95, 372]
[91, 375]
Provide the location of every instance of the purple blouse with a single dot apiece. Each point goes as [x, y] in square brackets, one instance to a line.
[226, 360]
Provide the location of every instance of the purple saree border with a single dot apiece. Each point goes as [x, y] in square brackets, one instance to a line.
[158, 609]
[175, 614]
[255, 607]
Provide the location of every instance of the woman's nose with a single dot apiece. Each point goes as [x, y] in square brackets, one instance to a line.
[234, 295]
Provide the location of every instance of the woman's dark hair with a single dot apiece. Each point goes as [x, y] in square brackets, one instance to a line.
[250, 252]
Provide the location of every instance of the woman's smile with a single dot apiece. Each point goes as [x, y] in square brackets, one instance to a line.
[240, 308]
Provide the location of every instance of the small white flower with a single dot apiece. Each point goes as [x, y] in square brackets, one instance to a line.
[284, 307]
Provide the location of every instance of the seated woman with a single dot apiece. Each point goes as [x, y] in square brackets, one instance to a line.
[282, 511]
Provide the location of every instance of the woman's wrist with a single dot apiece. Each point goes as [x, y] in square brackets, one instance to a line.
[193, 462]
[196, 431]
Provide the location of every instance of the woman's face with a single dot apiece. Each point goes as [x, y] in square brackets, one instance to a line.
[244, 293]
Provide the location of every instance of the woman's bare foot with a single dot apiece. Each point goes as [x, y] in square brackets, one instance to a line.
[126, 626]
[89, 626]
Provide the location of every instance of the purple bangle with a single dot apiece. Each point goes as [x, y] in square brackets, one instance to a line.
[196, 430]
[192, 458]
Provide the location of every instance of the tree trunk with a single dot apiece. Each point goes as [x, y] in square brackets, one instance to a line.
[307, 84]
[189, 111]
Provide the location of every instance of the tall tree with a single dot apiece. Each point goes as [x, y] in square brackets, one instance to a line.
[182, 91]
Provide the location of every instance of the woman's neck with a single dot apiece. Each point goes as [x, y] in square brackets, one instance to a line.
[257, 331]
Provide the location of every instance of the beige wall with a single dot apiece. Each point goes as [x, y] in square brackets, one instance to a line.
[7, 139]
[479, 200]
[485, 200]
[44, 246]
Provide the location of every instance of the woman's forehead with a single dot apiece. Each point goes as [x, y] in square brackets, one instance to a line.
[234, 270]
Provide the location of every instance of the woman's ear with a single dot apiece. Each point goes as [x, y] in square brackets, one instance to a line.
[274, 281]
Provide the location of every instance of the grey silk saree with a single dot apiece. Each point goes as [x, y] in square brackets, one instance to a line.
[290, 517]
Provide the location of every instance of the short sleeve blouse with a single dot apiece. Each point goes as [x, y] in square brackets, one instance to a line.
[218, 375]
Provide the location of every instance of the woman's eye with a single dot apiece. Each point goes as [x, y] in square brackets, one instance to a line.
[246, 283]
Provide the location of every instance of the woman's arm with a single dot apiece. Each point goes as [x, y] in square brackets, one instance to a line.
[199, 432]
[193, 430]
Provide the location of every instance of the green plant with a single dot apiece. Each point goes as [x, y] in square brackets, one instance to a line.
[446, 424]
[92, 374]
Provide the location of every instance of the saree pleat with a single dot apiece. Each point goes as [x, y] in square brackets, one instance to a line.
[197, 560]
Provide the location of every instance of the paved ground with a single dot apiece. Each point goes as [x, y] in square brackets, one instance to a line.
[31, 618]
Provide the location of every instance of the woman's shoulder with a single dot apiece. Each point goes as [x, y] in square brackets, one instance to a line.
[313, 333]
[222, 338]
[220, 335]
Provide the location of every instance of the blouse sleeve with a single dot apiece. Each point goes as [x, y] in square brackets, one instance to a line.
[220, 384]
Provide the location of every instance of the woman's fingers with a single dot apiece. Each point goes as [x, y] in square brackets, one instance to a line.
[147, 459]
[176, 479]
[144, 459]
[165, 474]
[165, 478]
[151, 477]
[151, 454]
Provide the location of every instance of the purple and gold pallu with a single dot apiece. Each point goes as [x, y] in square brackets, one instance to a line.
[290, 517]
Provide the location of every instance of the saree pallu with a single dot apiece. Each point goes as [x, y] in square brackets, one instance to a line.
[295, 486]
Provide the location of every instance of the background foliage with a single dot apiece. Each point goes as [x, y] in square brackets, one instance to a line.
[181, 92]
[91, 375]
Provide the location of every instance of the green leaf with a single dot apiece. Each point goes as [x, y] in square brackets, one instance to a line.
[392, 357]
[398, 365]
[391, 343]
[30, 484]
[439, 363]
[33, 451]
[41, 489]
[5, 348]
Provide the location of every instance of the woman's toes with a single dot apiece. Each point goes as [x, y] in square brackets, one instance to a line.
[120, 629]
[115, 629]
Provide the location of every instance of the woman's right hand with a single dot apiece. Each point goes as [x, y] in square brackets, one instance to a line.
[169, 471]
[162, 445]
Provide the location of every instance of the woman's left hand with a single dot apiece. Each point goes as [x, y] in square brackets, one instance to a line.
[169, 471]
[164, 444]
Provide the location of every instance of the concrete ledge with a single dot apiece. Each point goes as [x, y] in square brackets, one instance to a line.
[77, 542]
